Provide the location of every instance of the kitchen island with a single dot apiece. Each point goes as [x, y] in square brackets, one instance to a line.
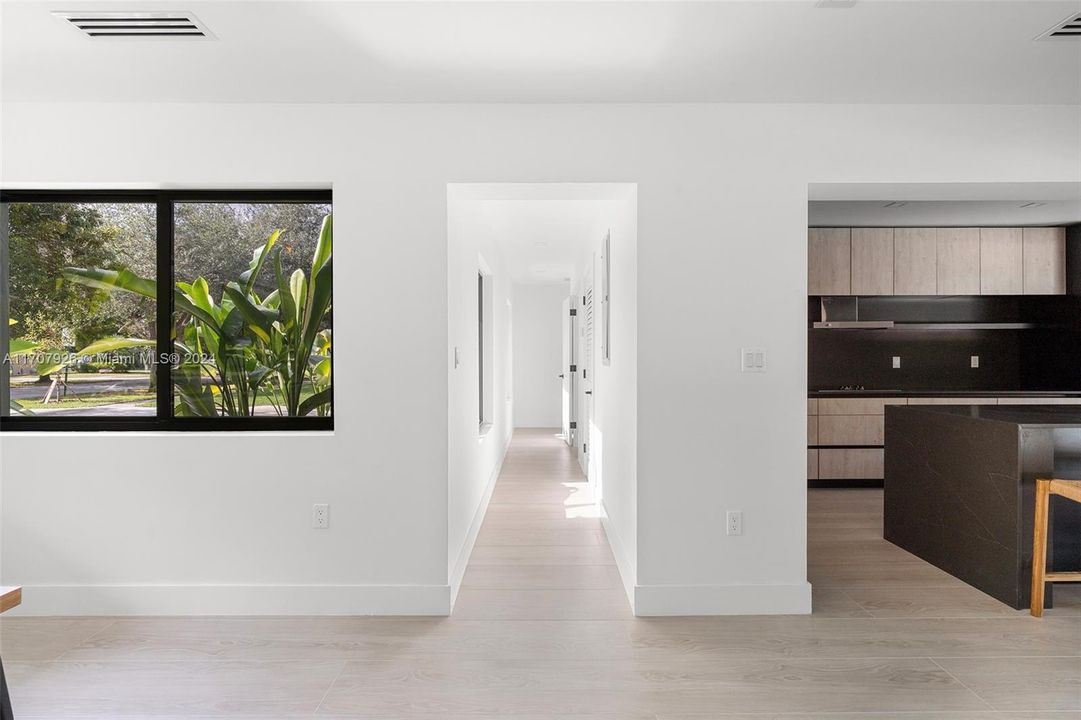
[960, 488]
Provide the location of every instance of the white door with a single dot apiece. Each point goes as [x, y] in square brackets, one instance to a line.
[565, 374]
[585, 374]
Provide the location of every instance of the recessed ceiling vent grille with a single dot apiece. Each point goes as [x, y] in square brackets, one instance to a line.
[1068, 28]
[136, 24]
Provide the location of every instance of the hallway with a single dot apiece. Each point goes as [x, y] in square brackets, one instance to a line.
[541, 553]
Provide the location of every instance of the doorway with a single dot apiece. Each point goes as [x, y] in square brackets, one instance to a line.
[543, 248]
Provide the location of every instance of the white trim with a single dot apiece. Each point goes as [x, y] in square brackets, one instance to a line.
[619, 550]
[659, 600]
[460, 565]
[234, 600]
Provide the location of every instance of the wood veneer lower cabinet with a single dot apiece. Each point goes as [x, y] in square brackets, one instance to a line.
[851, 429]
[845, 422]
[850, 463]
[954, 401]
[856, 406]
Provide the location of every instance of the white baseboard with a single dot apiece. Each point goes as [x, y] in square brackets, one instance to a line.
[619, 550]
[460, 565]
[657, 600]
[235, 600]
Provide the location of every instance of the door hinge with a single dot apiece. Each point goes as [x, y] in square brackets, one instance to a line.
[585, 448]
[574, 425]
[585, 372]
[574, 312]
[583, 299]
[574, 368]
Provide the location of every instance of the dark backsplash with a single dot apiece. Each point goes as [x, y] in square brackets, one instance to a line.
[1044, 357]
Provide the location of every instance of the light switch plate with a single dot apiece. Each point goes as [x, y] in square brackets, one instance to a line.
[896, 362]
[974, 361]
[734, 522]
[752, 360]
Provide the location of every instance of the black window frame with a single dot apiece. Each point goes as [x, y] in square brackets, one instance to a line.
[163, 419]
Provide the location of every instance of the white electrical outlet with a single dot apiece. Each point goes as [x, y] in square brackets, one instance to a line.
[974, 361]
[735, 522]
[896, 362]
[320, 515]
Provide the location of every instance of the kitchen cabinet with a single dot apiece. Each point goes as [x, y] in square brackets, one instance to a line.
[812, 464]
[936, 261]
[958, 261]
[953, 401]
[850, 463]
[1044, 260]
[856, 406]
[1001, 261]
[915, 261]
[851, 429]
[812, 429]
[829, 261]
[872, 261]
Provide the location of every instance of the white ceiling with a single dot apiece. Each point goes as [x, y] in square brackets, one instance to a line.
[544, 231]
[964, 213]
[542, 241]
[939, 204]
[907, 51]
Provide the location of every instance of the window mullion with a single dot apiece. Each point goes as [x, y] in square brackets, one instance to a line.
[164, 307]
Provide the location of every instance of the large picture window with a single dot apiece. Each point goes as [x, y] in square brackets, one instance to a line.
[166, 310]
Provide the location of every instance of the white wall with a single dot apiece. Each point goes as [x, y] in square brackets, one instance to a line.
[474, 459]
[722, 215]
[613, 429]
[538, 354]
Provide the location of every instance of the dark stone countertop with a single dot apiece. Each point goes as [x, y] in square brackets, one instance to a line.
[1024, 415]
[940, 393]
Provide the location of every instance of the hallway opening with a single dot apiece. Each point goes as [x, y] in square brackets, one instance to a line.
[542, 329]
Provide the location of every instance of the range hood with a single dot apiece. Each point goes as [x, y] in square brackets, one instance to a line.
[843, 313]
[854, 324]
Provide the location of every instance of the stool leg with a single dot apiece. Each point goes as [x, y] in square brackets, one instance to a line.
[1039, 547]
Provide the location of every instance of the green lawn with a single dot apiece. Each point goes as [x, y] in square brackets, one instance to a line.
[143, 398]
[77, 378]
[90, 400]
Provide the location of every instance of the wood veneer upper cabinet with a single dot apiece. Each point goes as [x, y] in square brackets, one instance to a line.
[958, 261]
[1001, 261]
[872, 261]
[1044, 260]
[915, 261]
[829, 261]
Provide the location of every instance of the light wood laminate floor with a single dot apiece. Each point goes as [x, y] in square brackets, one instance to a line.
[542, 629]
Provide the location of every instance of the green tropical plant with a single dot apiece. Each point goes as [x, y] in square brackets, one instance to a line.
[16, 348]
[241, 346]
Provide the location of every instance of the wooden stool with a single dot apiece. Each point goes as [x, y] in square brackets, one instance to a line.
[1044, 490]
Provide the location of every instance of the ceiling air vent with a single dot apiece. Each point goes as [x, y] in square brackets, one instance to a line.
[1068, 28]
[135, 24]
